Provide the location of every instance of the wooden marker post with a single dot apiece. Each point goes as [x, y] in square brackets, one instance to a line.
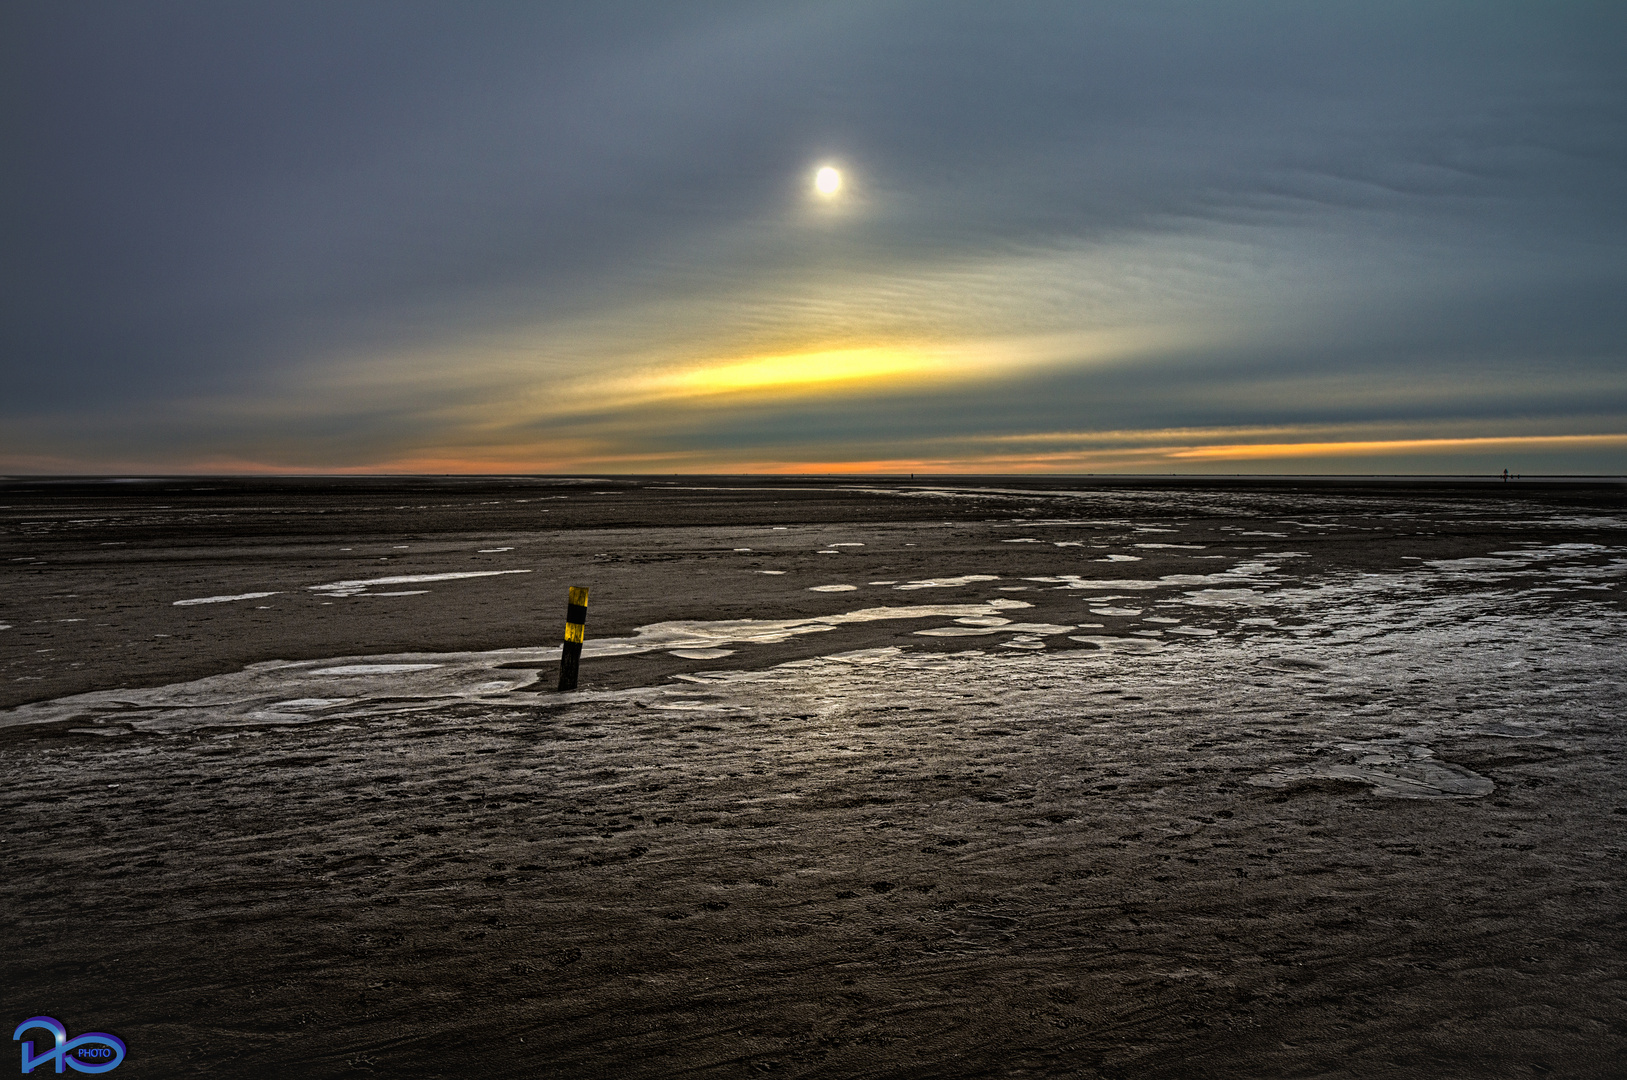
[576, 620]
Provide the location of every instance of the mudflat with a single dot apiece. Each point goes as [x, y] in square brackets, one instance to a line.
[953, 778]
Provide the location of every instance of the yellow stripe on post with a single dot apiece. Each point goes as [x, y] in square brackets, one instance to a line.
[576, 618]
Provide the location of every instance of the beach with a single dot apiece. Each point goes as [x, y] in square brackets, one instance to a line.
[955, 777]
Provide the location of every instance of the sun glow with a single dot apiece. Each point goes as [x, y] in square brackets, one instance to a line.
[826, 372]
[827, 181]
[810, 370]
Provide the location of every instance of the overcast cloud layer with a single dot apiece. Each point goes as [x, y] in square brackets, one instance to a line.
[1095, 237]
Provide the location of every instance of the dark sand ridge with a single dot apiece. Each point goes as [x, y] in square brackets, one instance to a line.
[1052, 860]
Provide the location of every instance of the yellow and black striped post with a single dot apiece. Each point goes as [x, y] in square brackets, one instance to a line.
[576, 625]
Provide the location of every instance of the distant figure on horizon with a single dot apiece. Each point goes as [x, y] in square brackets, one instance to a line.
[1505, 476]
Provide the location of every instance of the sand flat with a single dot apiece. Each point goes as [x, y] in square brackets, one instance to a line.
[1359, 813]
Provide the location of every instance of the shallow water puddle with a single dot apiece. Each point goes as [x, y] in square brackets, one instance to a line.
[948, 582]
[980, 629]
[696, 634]
[223, 599]
[1228, 598]
[359, 587]
[373, 669]
[1074, 581]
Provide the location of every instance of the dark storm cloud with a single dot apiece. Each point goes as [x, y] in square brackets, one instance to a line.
[214, 198]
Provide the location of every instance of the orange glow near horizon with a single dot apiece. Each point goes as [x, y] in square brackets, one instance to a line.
[1125, 452]
[1386, 447]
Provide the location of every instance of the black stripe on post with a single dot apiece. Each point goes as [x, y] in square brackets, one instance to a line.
[570, 660]
[576, 617]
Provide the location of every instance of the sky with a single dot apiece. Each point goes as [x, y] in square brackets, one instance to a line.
[1141, 237]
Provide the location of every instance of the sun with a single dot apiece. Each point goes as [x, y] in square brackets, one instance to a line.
[827, 181]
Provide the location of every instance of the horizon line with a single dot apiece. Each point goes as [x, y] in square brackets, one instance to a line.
[383, 474]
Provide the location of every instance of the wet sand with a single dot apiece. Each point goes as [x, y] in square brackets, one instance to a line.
[1000, 779]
